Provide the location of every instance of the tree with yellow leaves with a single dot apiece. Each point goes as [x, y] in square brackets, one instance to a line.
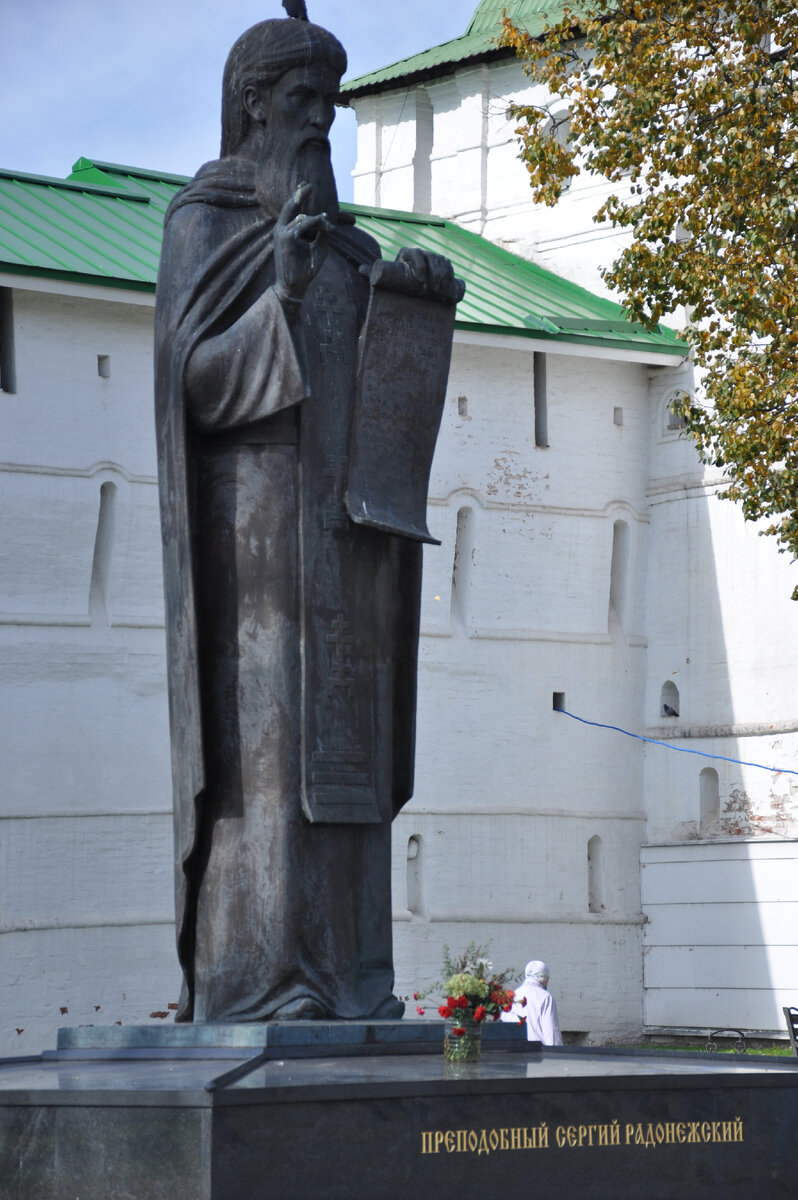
[691, 108]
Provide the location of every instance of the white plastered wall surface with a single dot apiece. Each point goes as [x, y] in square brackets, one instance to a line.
[86, 911]
[717, 619]
[516, 607]
[448, 146]
[495, 843]
[526, 827]
[719, 881]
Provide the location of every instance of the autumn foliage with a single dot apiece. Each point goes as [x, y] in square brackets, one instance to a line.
[690, 108]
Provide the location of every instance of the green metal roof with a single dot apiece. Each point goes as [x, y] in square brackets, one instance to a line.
[104, 224]
[476, 44]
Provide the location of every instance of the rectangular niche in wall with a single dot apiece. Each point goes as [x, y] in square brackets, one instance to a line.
[8, 374]
[595, 876]
[541, 401]
[422, 159]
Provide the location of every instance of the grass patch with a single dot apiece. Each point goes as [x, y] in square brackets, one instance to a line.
[774, 1049]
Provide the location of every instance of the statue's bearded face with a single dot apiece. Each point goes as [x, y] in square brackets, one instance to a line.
[298, 112]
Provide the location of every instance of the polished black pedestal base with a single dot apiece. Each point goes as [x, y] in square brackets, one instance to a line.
[374, 1113]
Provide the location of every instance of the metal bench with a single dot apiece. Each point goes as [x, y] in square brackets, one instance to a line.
[740, 1046]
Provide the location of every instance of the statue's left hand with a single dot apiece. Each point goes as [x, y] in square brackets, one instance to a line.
[301, 242]
[433, 273]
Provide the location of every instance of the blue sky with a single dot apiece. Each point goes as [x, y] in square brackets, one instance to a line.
[139, 82]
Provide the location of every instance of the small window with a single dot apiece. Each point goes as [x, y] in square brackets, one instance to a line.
[669, 700]
[617, 417]
[104, 366]
[8, 375]
[462, 406]
[675, 421]
[671, 402]
[558, 701]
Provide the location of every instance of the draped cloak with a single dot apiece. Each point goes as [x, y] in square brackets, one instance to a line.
[292, 633]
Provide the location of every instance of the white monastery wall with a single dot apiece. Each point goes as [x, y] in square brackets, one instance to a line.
[516, 606]
[596, 568]
[709, 615]
[57, 346]
[448, 146]
[86, 910]
[509, 792]
[719, 951]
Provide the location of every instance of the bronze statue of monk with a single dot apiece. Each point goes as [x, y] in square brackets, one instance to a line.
[292, 627]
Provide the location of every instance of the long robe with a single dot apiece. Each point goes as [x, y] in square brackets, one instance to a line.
[291, 632]
[534, 1005]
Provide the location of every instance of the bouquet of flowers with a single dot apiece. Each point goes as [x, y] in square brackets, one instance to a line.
[473, 993]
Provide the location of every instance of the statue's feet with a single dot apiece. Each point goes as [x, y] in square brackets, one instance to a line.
[391, 1009]
[303, 1008]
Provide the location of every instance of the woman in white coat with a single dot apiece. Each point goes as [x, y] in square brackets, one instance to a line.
[536, 1007]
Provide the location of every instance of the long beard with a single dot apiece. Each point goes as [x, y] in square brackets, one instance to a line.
[278, 175]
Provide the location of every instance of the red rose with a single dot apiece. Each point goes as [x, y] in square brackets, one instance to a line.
[463, 1002]
[445, 1011]
[458, 1031]
[523, 1002]
[522, 1020]
[495, 1016]
[510, 994]
[419, 1010]
[507, 1007]
[415, 995]
[480, 1013]
[453, 1002]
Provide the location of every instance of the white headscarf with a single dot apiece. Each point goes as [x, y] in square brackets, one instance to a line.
[536, 972]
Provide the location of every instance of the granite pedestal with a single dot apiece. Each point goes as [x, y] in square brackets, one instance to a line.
[372, 1112]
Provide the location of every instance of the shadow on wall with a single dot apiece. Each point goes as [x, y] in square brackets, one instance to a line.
[719, 891]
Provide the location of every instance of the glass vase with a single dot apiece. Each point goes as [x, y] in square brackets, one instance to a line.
[462, 1040]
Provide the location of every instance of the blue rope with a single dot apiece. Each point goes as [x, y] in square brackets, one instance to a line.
[681, 749]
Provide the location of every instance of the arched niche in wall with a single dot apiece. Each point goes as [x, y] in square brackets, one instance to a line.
[669, 700]
[619, 573]
[595, 876]
[558, 128]
[709, 799]
[672, 423]
[462, 565]
[415, 880]
[99, 586]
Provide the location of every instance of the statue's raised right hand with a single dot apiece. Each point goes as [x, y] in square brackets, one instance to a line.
[301, 241]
